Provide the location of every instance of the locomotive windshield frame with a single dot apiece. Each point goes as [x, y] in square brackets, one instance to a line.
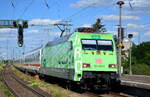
[100, 44]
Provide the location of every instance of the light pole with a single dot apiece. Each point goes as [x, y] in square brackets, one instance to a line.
[130, 50]
[120, 3]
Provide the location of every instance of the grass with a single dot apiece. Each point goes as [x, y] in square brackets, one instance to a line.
[2, 85]
[53, 89]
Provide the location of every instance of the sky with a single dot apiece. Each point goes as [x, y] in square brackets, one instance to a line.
[79, 13]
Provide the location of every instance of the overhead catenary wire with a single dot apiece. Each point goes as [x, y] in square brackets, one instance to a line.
[46, 3]
[12, 4]
[76, 13]
[26, 8]
[58, 7]
[83, 9]
[14, 7]
[50, 4]
[130, 4]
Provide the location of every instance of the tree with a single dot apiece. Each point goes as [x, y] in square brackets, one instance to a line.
[98, 27]
[141, 53]
[140, 59]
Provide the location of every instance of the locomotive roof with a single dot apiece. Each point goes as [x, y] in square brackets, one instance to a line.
[58, 40]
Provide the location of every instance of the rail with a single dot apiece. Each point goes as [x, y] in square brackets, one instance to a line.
[9, 77]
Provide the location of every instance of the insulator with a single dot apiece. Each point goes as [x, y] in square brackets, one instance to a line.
[25, 24]
[15, 24]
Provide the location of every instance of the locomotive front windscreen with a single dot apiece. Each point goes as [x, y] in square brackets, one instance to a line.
[104, 45]
[89, 44]
[97, 44]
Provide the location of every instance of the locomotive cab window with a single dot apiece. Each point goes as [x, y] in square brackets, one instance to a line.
[89, 44]
[105, 45]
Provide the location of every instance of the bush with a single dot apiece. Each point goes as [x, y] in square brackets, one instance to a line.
[140, 60]
[141, 69]
[141, 53]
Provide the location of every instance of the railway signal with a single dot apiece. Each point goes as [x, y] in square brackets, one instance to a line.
[19, 24]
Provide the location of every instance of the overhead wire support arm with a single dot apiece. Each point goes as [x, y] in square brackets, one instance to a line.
[12, 4]
[62, 29]
[46, 3]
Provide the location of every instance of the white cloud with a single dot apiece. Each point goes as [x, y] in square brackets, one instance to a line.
[90, 3]
[134, 33]
[139, 6]
[140, 3]
[54, 34]
[139, 11]
[86, 25]
[116, 18]
[33, 31]
[136, 26]
[43, 22]
[116, 33]
[113, 32]
[31, 39]
[6, 30]
[6, 38]
[15, 38]
[147, 34]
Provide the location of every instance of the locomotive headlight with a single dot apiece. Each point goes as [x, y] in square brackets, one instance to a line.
[85, 65]
[113, 66]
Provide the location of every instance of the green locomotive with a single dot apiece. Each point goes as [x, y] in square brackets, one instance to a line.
[83, 57]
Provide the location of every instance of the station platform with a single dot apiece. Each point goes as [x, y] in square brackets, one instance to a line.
[139, 81]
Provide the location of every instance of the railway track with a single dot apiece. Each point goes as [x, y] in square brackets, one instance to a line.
[124, 91]
[18, 87]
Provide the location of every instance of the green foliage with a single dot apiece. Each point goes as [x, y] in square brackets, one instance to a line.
[141, 53]
[52, 89]
[125, 64]
[138, 69]
[140, 60]
[141, 69]
[98, 27]
[7, 92]
[34, 85]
